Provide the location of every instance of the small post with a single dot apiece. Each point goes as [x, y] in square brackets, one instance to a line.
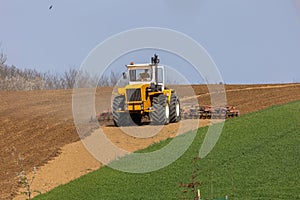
[199, 194]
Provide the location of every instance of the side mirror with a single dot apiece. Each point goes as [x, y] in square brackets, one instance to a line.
[124, 75]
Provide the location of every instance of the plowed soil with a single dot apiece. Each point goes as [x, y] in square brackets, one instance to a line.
[38, 125]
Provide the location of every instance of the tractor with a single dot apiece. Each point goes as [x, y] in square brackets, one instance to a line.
[145, 95]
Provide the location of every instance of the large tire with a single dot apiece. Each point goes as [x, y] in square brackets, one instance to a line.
[120, 119]
[174, 109]
[161, 110]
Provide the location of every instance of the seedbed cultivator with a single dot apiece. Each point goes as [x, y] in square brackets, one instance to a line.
[208, 112]
[106, 115]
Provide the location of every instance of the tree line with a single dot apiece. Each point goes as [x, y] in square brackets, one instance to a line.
[13, 78]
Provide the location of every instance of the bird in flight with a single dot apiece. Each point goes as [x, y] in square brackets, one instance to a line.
[50, 7]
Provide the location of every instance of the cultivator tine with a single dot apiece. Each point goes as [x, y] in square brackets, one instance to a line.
[105, 116]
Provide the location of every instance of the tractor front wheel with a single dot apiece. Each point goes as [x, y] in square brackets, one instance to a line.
[161, 110]
[120, 118]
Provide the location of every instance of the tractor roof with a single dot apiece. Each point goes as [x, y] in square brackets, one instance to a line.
[142, 66]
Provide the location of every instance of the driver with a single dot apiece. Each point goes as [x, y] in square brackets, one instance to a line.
[145, 76]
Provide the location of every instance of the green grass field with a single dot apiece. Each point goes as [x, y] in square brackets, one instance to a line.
[256, 157]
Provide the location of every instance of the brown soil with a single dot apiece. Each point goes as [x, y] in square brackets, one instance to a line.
[39, 125]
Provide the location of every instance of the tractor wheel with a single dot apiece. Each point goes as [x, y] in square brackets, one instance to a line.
[174, 109]
[161, 110]
[120, 119]
[136, 119]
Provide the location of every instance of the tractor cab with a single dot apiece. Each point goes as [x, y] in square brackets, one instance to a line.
[149, 73]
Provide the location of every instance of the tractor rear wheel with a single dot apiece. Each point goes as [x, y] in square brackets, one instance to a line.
[161, 110]
[120, 118]
[174, 109]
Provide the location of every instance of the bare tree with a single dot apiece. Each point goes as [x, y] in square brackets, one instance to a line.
[86, 80]
[3, 57]
[103, 81]
[69, 78]
[114, 78]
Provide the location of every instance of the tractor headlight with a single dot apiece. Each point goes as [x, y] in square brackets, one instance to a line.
[142, 106]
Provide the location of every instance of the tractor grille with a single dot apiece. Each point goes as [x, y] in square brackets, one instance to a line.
[133, 95]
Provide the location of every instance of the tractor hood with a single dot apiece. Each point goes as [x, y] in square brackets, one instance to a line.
[122, 91]
[136, 86]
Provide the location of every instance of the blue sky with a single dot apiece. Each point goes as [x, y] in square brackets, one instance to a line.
[251, 41]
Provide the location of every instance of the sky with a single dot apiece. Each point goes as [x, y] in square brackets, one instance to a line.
[251, 41]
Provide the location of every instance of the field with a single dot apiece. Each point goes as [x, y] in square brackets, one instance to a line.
[39, 123]
[252, 160]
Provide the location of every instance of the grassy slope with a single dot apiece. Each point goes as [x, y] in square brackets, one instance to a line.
[257, 157]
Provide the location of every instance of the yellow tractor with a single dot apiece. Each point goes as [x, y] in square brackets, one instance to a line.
[145, 95]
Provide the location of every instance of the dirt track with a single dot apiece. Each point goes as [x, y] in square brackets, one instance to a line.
[39, 123]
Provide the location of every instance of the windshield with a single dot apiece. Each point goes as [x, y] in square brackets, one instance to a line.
[139, 75]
